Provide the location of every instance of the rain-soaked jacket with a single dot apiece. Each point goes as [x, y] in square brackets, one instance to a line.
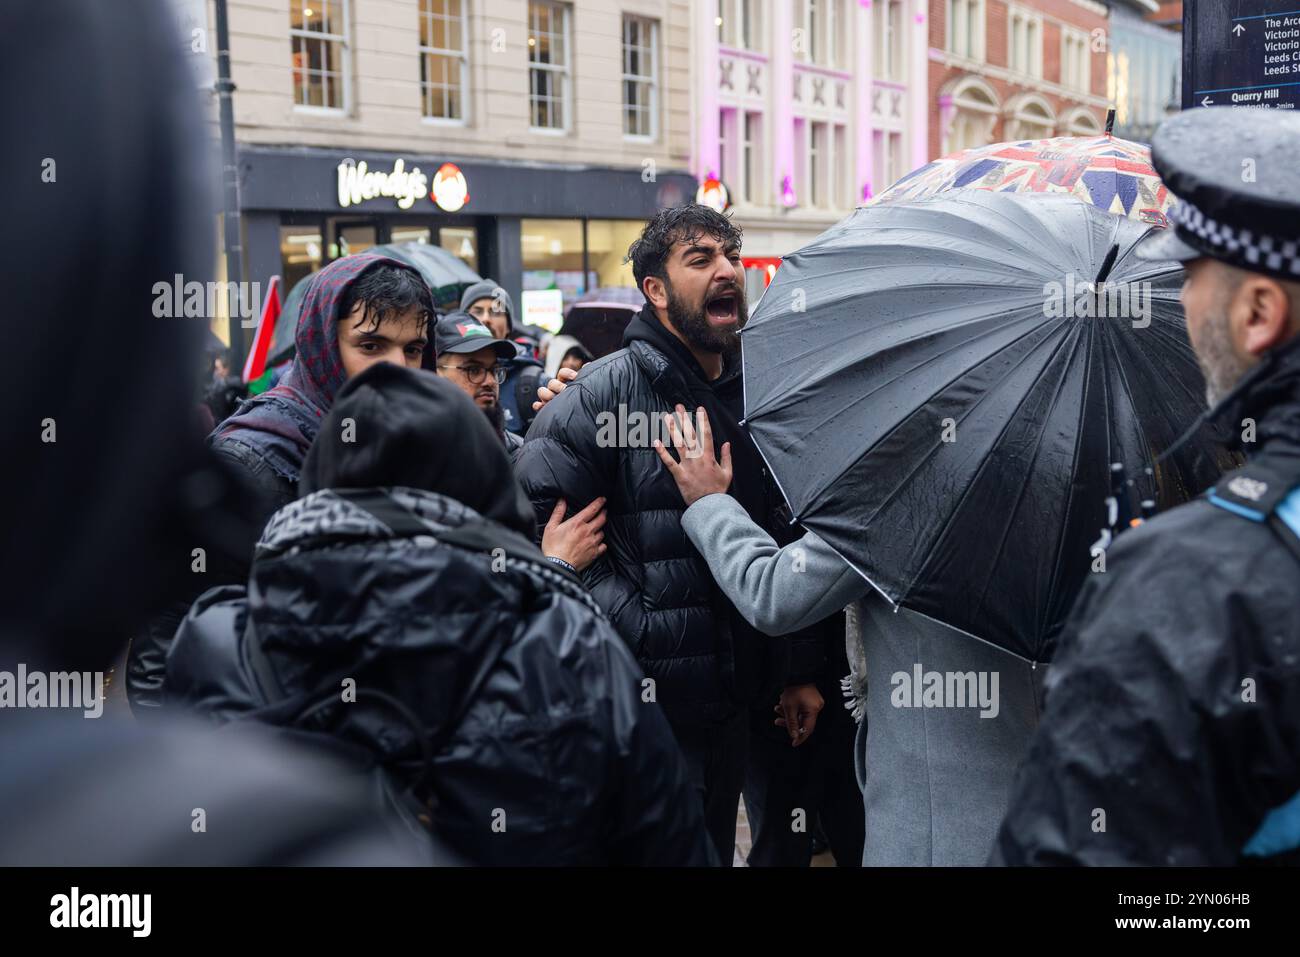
[538, 744]
[1171, 733]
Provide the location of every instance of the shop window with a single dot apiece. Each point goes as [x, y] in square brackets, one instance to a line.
[319, 33]
[411, 234]
[462, 243]
[444, 66]
[607, 244]
[801, 171]
[355, 239]
[552, 256]
[301, 253]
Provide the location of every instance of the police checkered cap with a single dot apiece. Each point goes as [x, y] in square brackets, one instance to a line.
[1194, 234]
[1238, 184]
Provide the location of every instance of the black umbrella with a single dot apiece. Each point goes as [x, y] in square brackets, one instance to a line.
[598, 318]
[933, 390]
[446, 273]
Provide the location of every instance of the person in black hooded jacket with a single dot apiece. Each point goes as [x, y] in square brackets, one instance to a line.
[108, 488]
[400, 607]
[594, 440]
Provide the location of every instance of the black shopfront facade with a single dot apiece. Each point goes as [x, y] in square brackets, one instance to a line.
[527, 225]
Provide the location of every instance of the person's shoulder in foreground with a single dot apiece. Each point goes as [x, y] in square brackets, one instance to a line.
[538, 712]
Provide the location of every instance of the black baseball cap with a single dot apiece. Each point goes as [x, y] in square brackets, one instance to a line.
[460, 333]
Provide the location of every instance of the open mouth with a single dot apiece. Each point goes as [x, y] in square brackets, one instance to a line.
[722, 307]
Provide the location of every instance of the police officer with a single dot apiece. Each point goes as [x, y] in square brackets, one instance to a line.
[1171, 733]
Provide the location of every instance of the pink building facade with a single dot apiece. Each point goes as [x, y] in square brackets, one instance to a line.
[804, 108]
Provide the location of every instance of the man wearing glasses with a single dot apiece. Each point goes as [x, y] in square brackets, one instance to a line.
[471, 358]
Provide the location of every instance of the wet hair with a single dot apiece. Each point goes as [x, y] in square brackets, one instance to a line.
[678, 224]
[388, 292]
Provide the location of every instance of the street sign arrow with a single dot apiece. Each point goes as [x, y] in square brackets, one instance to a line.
[1206, 102]
[1239, 29]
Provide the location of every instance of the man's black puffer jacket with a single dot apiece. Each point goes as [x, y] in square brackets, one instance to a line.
[543, 751]
[653, 584]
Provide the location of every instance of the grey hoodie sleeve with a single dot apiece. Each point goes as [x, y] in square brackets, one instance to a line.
[778, 590]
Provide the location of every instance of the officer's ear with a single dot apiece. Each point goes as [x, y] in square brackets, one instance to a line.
[1263, 310]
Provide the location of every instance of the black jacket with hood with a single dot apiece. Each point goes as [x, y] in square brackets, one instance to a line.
[101, 519]
[1172, 723]
[706, 660]
[489, 687]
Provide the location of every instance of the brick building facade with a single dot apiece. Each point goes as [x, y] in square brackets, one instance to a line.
[1015, 69]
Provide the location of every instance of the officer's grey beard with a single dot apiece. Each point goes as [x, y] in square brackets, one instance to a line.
[1221, 366]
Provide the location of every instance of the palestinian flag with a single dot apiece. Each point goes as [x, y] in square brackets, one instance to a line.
[255, 364]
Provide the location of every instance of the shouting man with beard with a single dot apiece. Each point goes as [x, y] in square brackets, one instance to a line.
[704, 664]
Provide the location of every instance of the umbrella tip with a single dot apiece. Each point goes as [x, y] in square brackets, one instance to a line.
[1110, 121]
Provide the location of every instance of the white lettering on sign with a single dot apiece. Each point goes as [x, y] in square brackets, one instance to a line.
[358, 183]
[1281, 46]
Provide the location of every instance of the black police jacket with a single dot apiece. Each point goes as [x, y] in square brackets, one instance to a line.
[485, 683]
[1172, 726]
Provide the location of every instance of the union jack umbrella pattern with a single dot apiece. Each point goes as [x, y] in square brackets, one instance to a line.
[1110, 173]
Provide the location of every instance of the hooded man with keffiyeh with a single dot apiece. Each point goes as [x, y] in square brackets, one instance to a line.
[358, 311]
